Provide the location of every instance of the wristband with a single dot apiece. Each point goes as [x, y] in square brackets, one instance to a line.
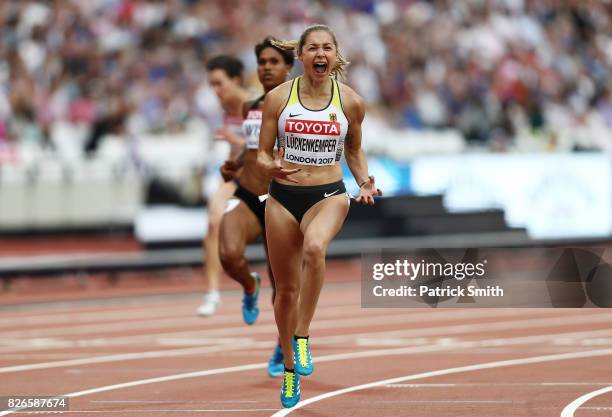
[363, 183]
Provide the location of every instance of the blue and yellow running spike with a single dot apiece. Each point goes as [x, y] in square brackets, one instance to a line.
[301, 356]
[290, 391]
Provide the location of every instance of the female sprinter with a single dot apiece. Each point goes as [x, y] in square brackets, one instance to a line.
[314, 118]
[244, 218]
[225, 77]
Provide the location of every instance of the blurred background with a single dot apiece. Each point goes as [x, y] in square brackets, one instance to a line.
[489, 122]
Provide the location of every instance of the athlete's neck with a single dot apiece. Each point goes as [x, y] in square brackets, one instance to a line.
[312, 88]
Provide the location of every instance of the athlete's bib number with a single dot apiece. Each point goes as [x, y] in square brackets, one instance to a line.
[311, 142]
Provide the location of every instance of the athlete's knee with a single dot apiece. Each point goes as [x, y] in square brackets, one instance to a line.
[285, 298]
[287, 288]
[314, 251]
[230, 255]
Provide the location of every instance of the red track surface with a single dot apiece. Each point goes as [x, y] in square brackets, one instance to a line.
[77, 243]
[72, 346]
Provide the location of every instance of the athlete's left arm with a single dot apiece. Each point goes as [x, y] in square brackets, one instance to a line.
[355, 158]
[226, 134]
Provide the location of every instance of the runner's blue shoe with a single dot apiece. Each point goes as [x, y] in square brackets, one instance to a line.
[290, 392]
[276, 366]
[250, 311]
[301, 356]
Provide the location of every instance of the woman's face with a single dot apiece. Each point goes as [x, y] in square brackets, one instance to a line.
[271, 68]
[318, 54]
[224, 86]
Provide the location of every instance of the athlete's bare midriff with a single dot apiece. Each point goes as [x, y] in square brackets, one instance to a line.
[312, 175]
[252, 177]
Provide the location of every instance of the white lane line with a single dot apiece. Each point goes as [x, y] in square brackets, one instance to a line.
[183, 307]
[132, 356]
[50, 356]
[448, 371]
[36, 344]
[125, 326]
[327, 358]
[513, 341]
[531, 350]
[105, 342]
[46, 315]
[597, 408]
[74, 321]
[125, 371]
[601, 341]
[172, 402]
[478, 327]
[174, 411]
[448, 402]
[333, 324]
[571, 408]
[95, 317]
[270, 327]
[497, 384]
[130, 323]
[269, 344]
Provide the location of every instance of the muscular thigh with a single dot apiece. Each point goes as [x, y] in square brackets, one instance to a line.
[284, 240]
[324, 220]
[216, 205]
[239, 226]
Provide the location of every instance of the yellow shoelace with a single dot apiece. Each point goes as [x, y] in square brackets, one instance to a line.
[302, 345]
[289, 380]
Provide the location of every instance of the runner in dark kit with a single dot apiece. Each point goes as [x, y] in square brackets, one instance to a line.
[244, 218]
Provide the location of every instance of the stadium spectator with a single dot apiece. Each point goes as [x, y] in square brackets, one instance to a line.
[489, 68]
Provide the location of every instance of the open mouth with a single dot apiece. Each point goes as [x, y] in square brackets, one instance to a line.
[320, 67]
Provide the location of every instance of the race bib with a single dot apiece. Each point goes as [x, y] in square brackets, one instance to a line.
[311, 142]
[251, 127]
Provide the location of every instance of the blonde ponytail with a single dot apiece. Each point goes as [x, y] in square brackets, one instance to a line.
[341, 64]
[286, 45]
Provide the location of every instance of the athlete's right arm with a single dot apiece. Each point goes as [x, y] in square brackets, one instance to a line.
[273, 102]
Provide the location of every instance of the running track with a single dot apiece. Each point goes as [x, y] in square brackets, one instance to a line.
[151, 356]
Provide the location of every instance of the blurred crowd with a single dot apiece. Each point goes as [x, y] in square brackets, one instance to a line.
[493, 69]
